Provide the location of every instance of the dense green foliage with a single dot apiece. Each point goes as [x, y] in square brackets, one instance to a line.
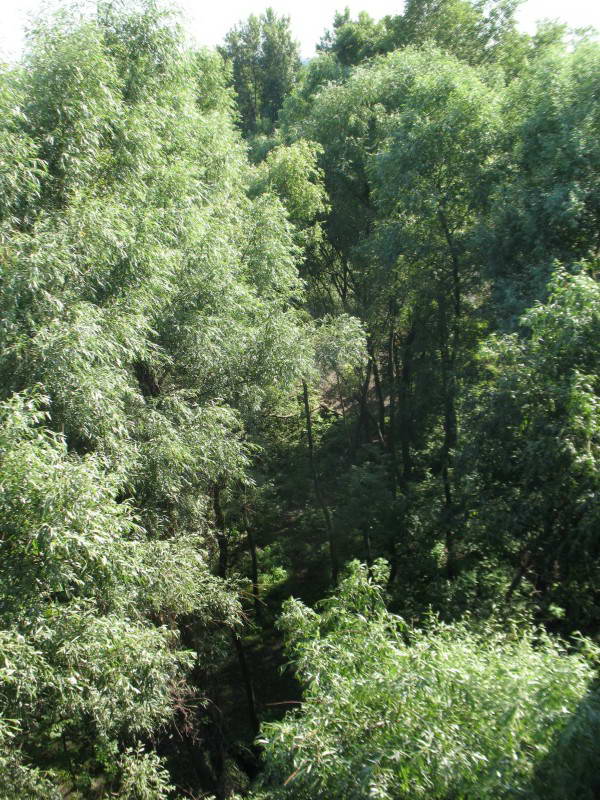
[530, 457]
[394, 711]
[82, 663]
[150, 303]
[261, 319]
[264, 62]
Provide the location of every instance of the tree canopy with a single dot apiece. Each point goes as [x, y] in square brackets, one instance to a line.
[299, 408]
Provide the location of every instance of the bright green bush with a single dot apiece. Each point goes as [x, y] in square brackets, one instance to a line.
[396, 711]
[83, 666]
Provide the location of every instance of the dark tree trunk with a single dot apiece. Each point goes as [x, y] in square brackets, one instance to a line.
[448, 359]
[237, 641]
[317, 487]
[343, 407]
[248, 683]
[254, 562]
[380, 398]
[391, 437]
[363, 414]
[405, 374]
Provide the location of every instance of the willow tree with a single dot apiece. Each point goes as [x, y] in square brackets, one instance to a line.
[148, 318]
[395, 711]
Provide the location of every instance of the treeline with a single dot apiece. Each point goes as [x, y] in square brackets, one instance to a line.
[326, 331]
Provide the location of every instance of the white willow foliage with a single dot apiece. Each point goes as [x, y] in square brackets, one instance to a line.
[293, 174]
[391, 711]
[144, 280]
[19, 175]
[79, 579]
[149, 305]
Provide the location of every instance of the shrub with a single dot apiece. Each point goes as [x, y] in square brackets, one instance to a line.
[396, 711]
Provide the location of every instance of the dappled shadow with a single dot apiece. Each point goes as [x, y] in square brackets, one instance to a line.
[571, 770]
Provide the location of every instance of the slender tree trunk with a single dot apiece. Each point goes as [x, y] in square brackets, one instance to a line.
[343, 407]
[450, 435]
[392, 409]
[237, 641]
[454, 257]
[449, 347]
[367, 544]
[317, 487]
[391, 440]
[405, 373]
[253, 559]
[380, 398]
[363, 415]
[518, 577]
[247, 681]
[254, 562]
